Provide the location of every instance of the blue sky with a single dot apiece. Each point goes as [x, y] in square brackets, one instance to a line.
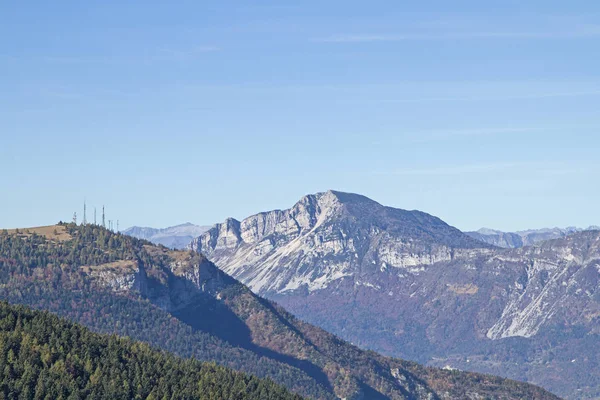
[482, 113]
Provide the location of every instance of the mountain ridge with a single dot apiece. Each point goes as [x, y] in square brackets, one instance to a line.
[177, 236]
[525, 237]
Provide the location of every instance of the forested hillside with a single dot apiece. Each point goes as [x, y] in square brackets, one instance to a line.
[42, 268]
[45, 357]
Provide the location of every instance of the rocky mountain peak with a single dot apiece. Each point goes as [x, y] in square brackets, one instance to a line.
[314, 209]
[334, 196]
[332, 203]
[325, 237]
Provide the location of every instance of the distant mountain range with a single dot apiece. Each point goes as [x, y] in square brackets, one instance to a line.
[407, 284]
[518, 239]
[181, 302]
[174, 237]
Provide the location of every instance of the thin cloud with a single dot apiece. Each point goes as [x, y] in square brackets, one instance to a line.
[159, 55]
[428, 136]
[452, 134]
[523, 96]
[582, 31]
[77, 60]
[459, 169]
[549, 169]
[188, 53]
[440, 135]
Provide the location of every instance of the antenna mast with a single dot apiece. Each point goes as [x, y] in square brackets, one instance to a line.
[103, 221]
[75, 217]
[95, 216]
[84, 222]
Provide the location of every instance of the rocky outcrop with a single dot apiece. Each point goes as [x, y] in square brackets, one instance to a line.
[172, 286]
[120, 276]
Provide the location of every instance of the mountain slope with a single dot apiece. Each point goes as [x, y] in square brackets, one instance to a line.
[181, 302]
[175, 237]
[43, 356]
[406, 284]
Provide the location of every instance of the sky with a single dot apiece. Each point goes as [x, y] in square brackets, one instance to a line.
[481, 113]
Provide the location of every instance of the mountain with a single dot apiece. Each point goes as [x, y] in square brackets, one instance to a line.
[326, 237]
[406, 284]
[44, 356]
[174, 237]
[181, 302]
[523, 238]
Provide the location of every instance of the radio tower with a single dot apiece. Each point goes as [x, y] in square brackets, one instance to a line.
[84, 222]
[75, 217]
[103, 220]
[117, 226]
[95, 216]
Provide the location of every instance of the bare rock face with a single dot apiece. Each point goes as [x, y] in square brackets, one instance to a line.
[173, 286]
[121, 276]
[406, 284]
[557, 278]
